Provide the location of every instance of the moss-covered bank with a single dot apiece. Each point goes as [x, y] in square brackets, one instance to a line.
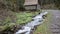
[20, 19]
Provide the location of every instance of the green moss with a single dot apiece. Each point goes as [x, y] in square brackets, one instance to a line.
[21, 18]
[24, 17]
[7, 26]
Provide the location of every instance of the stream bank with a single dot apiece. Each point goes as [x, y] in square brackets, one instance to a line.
[31, 25]
[22, 19]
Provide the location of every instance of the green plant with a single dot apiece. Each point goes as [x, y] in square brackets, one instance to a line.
[25, 17]
[7, 20]
[20, 4]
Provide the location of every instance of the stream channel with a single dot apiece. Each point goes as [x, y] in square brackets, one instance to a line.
[37, 20]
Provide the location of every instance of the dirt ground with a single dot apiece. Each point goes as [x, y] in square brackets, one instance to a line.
[54, 26]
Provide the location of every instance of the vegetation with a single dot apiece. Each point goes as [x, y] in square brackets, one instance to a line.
[54, 3]
[20, 19]
[10, 18]
[24, 17]
[57, 2]
[20, 4]
[43, 28]
[7, 16]
[13, 5]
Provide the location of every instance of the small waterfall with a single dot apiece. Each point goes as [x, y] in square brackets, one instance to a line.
[28, 27]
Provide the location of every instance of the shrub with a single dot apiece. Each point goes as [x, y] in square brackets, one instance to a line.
[14, 5]
[20, 4]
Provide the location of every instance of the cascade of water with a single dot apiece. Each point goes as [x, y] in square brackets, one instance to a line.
[36, 21]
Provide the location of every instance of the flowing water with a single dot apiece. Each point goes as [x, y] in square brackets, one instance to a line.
[37, 20]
